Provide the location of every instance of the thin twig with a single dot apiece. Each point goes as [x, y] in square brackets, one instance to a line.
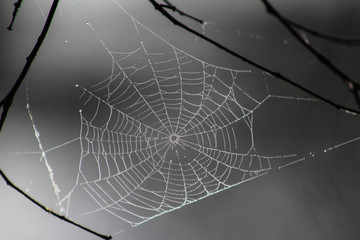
[347, 41]
[6, 102]
[17, 5]
[12, 185]
[278, 75]
[351, 83]
[340, 40]
[175, 9]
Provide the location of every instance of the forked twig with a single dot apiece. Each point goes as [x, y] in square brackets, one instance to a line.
[278, 75]
[351, 83]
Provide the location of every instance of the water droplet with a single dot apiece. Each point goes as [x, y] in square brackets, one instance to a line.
[351, 86]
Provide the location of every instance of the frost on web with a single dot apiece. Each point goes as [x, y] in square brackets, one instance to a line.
[166, 129]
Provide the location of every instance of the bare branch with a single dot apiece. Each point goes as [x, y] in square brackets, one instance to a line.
[340, 40]
[6, 102]
[278, 75]
[347, 41]
[17, 5]
[175, 9]
[351, 83]
[12, 185]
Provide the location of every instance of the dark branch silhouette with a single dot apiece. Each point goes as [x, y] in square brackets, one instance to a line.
[351, 83]
[17, 5]
[6, 102]
[175, 9]
[347, 41]
[340, 40]
[278, 75]
[12, 185]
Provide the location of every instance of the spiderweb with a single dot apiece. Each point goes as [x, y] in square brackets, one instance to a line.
[165, 129]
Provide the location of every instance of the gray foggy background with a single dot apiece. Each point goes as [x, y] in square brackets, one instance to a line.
[315, 199]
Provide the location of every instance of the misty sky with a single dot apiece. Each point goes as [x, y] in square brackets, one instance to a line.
[313, 199]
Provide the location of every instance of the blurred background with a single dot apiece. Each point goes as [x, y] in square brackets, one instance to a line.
[313, 199]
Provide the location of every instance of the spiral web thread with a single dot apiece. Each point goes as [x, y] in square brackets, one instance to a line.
[166, 129]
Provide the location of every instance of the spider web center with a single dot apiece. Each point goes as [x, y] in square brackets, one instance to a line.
[174, 139]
